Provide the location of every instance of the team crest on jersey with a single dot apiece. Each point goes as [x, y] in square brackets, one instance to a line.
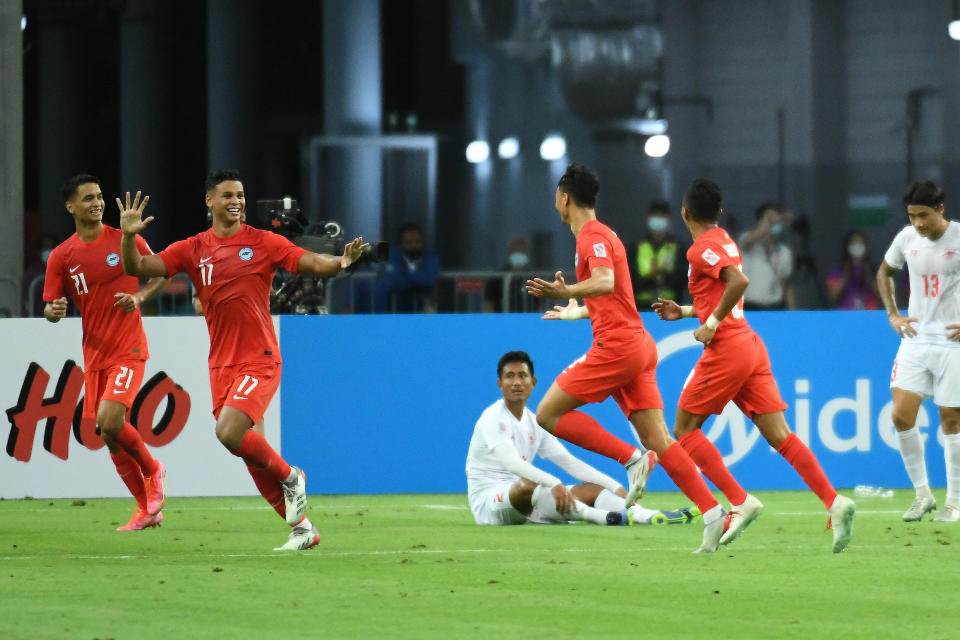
[710, 257]
[246, 254]
[113, 259]
[599, 250]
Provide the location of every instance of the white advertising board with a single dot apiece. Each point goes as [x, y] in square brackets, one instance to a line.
[53, 462]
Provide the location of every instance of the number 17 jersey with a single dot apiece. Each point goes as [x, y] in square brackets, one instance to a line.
[232, 277]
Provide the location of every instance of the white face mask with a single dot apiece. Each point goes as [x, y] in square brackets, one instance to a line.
[518, 259]
[857, 249]
[657, 223]
[44, 255]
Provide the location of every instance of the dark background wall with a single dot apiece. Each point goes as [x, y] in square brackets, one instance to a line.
[809, 102]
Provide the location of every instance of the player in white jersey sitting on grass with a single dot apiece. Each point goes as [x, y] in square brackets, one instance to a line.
[505, 488]
[928, 360]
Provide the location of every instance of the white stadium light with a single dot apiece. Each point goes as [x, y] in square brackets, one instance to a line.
[478, 151]
[553, 147]
[954, 29]
[657, 146]
[652, 126]
[23, 23]
[508, 148]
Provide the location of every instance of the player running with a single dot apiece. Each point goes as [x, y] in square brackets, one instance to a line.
[735, 366]
[231, 266]
[87, 265]
[504, 487]
[621, 362]
[928, 360]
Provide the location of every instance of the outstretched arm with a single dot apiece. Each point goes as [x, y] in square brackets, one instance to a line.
[887, 290]
[324, 264]
[581, 470]
[131, 223]
[600, 283]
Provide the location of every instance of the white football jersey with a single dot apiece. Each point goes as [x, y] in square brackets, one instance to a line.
[495, 425]
[934, 268]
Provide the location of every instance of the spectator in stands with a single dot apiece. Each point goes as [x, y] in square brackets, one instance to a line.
[33, 275]
[407, 284]
[518, 263]
[658, 263]
[767, 261]
[851, 283]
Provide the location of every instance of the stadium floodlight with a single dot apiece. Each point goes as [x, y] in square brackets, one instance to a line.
[508, 148]
[652, 126]
[478, 151]
[657, 146]
[954, 29]
[23, 23]
[553, 147]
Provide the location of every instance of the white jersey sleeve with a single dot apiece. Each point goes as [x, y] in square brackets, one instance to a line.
[895, 256]
[554, 451]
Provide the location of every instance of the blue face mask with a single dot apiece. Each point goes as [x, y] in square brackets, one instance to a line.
[776, 228]
[657, 223]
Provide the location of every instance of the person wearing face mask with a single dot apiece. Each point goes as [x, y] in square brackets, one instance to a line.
[767, 261]
[518, 261]
[658, 265]
[851, 283]
[407, 285]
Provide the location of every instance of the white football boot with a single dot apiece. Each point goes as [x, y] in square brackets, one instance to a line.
[711, 535]
[301, 538]
[841, 521]
[950, 513]
[739, 518]
[295, 497]
[637, 473]
[922, 505]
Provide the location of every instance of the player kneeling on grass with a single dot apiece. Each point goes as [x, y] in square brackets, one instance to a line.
[505, 488]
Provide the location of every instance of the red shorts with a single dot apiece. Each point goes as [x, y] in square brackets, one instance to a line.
[625, 370]
[739, 371]
[247, 387]
[118, 383]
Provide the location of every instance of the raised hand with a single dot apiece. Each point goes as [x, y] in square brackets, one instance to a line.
[352, 252]
[543, 289]
[667, 309]
[131, 221]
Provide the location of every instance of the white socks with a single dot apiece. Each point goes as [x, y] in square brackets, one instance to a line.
[543, 502]
[609, 501]
[951, 454]
[910, 443]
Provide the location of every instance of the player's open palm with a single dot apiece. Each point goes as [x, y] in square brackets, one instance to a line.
[557, 312]
[131, 216]
[667, 309]
[543, 289]
[353, 250]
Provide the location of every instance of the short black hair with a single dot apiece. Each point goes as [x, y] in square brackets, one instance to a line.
[409, 226]
[69, 188]
[926, 193]
[514, 356]
[659, 208]
[218, 176]
[763, 207]
[703, 200]
[582, 184]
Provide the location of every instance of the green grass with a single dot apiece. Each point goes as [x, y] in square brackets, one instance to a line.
[398, 566]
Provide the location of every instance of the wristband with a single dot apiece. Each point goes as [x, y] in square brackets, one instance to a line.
[712, 322]
[568, 313]
[686, 311]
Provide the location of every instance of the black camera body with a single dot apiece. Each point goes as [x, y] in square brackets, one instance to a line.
[305, 294]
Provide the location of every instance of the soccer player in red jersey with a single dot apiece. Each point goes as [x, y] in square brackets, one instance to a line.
[621, 362]
[231, 266]
[87, 266]
[735, 366]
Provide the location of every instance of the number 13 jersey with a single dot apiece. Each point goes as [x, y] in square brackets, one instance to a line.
[934, 269]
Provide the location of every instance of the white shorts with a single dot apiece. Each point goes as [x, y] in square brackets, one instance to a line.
[492, 506]
[929, 370]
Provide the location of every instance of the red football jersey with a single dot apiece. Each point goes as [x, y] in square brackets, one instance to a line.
[712, 251]
[613, 315]
[232, 277]
[92, 273]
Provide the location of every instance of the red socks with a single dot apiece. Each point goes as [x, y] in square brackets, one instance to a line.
[129, 438]
[131, 475]
[706, 456]
[678, 465]
[583, 431]
[802, 459]
[257, 452]
[269, 488]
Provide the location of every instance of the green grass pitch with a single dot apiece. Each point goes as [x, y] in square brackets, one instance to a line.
[415, 566]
